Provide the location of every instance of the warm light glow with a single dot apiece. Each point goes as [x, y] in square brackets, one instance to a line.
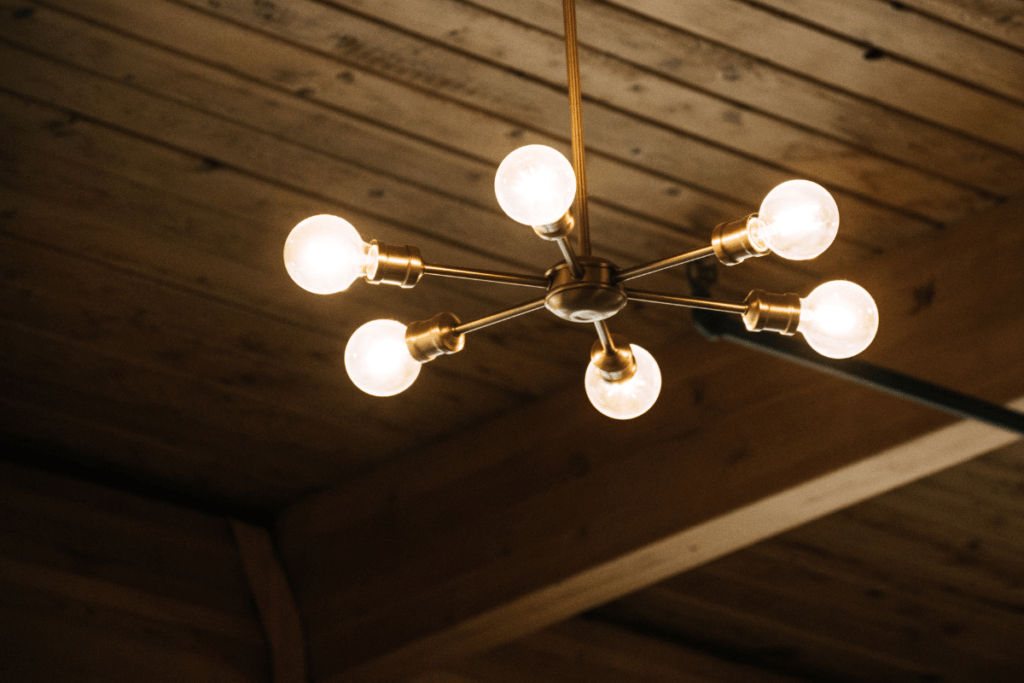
[535, 185]
[838, 319]
[324, 254]
[798, 220]
[378, 360]
[629, 398]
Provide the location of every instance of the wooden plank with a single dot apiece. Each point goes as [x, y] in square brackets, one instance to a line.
[82, 137]
[139, 329]
[96, 585]
[219, 276]
[610, 131]
[36, 577]
[269, 210]
[933, 560]
[957, 519]
[556, 510]
[180, 557]
[158, 326]
[282, 113]
[408, 100]
[840, 63]
[118, 237]
[598, 653]
[624, 87]
[992, 480]
[77, 440]
[132, 245]
[287, 69]
[782, 640]
[239, 220]
[211, 278]
[864, 579]
[834, 585]
[480, 371]
[740, 78]
[264, 156]
[243, 437]
[654, 563]
[625, 236]
[274, 600]
[917, 39]
[44, 638]
[211, 91]
[1000, 20]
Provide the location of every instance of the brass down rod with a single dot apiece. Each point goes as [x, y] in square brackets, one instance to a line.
[500, 316]
[487, 276]
[570, 257]
[572, 67]
[686, 302]
[605, 336]
[663, 264]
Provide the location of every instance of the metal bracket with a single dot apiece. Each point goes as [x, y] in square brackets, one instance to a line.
[717, 326]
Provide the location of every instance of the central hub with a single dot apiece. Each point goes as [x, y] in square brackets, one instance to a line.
[593, 297]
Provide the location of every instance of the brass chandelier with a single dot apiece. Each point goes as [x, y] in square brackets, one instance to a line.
[537, 186]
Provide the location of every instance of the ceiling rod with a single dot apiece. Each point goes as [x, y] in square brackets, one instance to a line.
[579, 164]
[870, 375]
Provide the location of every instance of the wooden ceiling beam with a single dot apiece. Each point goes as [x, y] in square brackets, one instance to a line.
[554, 509]
[101, 585]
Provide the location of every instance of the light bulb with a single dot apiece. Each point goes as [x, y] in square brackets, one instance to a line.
[324, 254]
[628, 398]
[798, 220]
[838, 319]
[378, 361]
[535, 185]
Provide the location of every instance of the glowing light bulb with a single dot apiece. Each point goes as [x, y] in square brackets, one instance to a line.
[324, 254]
[798, 220]
[838, 319]
[629, 398]
[378, 361]
[535, 185]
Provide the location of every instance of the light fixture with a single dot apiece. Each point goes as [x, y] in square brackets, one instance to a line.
[536, 186]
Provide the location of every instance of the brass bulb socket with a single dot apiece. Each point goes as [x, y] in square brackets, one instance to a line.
[557, 230]
[773, 312]
[617, 364]
[402, 266]
[733, 243]
[428, 339]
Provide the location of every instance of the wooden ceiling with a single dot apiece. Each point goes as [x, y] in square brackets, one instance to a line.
[155, 156]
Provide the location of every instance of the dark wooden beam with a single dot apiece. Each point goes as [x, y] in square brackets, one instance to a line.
[101, 585]
[554, 509]
[274, 601]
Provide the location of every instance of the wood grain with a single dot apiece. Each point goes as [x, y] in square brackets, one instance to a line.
[274, 601]
[101, 585]
[754, 84]
[153, 157]
[576, 501]
[840, 62]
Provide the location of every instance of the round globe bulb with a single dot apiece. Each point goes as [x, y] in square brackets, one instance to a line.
[324, 254]
[535, 185]
[838, 319]
[629, 398]
[798, 220]
[378, 361]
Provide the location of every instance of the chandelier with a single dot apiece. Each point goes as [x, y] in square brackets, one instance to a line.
[538, 187]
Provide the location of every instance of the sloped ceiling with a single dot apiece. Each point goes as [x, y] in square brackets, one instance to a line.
[155, 155]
